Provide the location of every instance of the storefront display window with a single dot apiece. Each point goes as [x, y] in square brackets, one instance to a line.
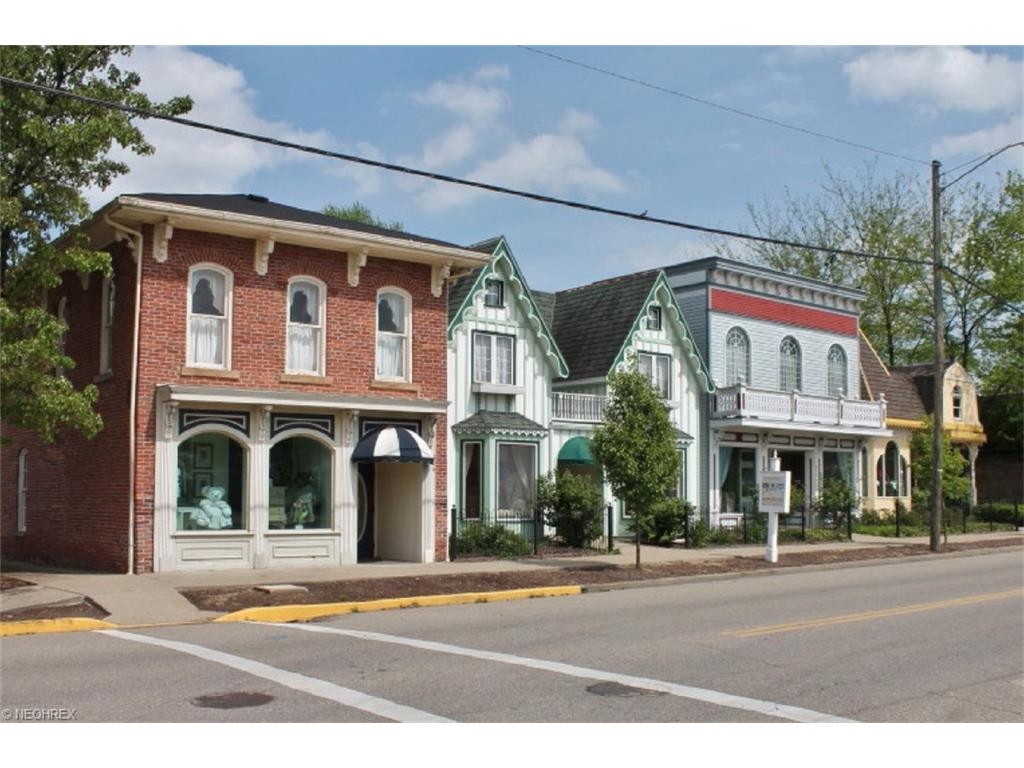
[300, 484]
[517, 480]
[211, 482]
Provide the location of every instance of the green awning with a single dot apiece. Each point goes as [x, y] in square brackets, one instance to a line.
[576, 451]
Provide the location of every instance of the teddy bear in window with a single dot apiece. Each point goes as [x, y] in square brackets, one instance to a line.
[213, 512]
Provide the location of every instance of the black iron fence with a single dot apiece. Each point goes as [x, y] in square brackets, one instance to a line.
[515, 537]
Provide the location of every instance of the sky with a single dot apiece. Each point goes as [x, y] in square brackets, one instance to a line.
[515, 117]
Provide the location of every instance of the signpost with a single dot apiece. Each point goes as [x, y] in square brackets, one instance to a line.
[774, 499]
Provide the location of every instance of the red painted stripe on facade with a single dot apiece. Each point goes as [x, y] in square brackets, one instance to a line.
[782, 312]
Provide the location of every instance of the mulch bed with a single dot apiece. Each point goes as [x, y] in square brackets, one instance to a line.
[584, 573]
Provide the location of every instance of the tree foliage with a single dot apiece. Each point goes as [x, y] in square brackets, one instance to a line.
[956, 485]
[361, 213]
[636, 444]
[53, 149]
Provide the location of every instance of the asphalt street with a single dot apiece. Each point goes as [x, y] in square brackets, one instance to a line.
[925, 641]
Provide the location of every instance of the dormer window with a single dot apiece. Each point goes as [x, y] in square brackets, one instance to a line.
[495, 295]
[958, 404]
[654, 318]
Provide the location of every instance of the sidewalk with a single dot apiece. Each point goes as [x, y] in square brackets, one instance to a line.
[153, 598]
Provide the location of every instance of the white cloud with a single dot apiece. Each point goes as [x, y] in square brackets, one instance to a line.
[655, 255]
[467, 100]
[193, 160]
[982, 141]
[938, 78]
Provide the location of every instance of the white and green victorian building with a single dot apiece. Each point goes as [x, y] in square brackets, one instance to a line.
[528, 378]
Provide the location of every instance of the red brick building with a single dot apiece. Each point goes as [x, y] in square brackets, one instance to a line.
[244, 351]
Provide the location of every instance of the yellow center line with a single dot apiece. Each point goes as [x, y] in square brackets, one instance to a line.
[847, 618]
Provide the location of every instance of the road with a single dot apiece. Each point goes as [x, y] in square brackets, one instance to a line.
[924, 641]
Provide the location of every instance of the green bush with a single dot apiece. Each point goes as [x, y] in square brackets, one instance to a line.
[573, 506]
[491, 541]
[699, 533]
[665, 521]
[836, 501]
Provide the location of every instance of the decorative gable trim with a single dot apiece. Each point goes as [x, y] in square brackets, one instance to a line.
[521, 291]
[661, 294]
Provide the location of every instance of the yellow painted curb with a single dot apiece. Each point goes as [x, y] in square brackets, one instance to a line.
[289, 613]
[48, 626]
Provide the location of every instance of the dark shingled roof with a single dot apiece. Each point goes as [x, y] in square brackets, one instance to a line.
[458, 290]
[498, 421]
[591, 322]
[902, 398]
[922, 376]
[255, 205]
[546, 305]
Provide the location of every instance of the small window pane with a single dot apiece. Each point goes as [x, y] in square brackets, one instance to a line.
[471, 480]
[836, 371]
[654, 319]
[789, 365]
[391, 313]
[495, 296]
[482, 357]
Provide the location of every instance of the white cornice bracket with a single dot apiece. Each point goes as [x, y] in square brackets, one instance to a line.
[356, 261]
[261, 254]
[162, 232]
[438, 275]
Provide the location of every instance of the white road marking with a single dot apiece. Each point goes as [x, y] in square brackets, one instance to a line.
[310, 685]
[769, 708]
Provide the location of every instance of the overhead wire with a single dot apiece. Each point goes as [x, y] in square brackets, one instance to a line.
[309, 149]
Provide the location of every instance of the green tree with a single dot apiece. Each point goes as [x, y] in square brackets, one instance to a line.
[55, 148]
[956, 486]
[361, 213]
[572, 504]
[636, 445]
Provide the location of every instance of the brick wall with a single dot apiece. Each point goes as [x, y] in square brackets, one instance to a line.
[78, 498]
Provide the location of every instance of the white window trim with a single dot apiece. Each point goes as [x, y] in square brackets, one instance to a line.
[744, 375]
[228, 310]
[956, 403]
[844, 360]
[492, 384]
[407, 335]
[320, 326]
[799, 358]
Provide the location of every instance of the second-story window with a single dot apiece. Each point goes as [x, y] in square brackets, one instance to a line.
[836, 371]
[654, 318]
[737, 357]
[209, 317]
[493, 358]
[789, 365]
[109, 299]
[958, 404]
[305, 326]
[657, 369]
[495, 295]
[393, 334]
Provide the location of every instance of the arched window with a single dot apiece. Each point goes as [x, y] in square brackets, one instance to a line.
[62, 316]
[836, 371]
[790, 379]
[892, 472]
[22, 491]
[305, 355]
[958, 403]
[209, 317]
[393, 334]
[300, 484]
[211, 483]
[737, 357]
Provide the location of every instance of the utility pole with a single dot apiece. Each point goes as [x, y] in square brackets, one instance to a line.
[940, 362]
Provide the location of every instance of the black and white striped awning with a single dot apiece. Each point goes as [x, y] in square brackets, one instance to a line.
[393, 444]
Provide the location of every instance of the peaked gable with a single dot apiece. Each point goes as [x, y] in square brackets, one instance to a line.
[463, 295]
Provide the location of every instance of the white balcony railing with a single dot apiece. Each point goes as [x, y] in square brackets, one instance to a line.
[741, 401]
[575, 406]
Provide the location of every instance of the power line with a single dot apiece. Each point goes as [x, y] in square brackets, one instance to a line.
[642, 217]
[987, 157]
[724, 108]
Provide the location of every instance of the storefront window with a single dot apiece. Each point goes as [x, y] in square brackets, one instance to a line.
[517, 480]
[211, 479]
[300, 484]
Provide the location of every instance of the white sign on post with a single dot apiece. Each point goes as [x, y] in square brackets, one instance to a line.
[774, 499]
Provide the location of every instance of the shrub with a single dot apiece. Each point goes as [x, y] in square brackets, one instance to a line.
[572, 505]
[699, 533]
[665, 521]
[491, 541]
[837, 500]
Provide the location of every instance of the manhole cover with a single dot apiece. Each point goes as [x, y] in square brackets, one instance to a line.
[233, 700]
[617, 689]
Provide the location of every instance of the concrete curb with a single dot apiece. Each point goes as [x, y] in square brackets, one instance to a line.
[283, 614]
[52, 626]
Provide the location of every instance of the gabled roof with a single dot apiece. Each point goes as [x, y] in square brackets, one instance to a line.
[594, 323]
[902, 398]
[462, 294]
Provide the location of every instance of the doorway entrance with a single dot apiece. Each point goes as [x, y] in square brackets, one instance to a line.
[798, 464]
